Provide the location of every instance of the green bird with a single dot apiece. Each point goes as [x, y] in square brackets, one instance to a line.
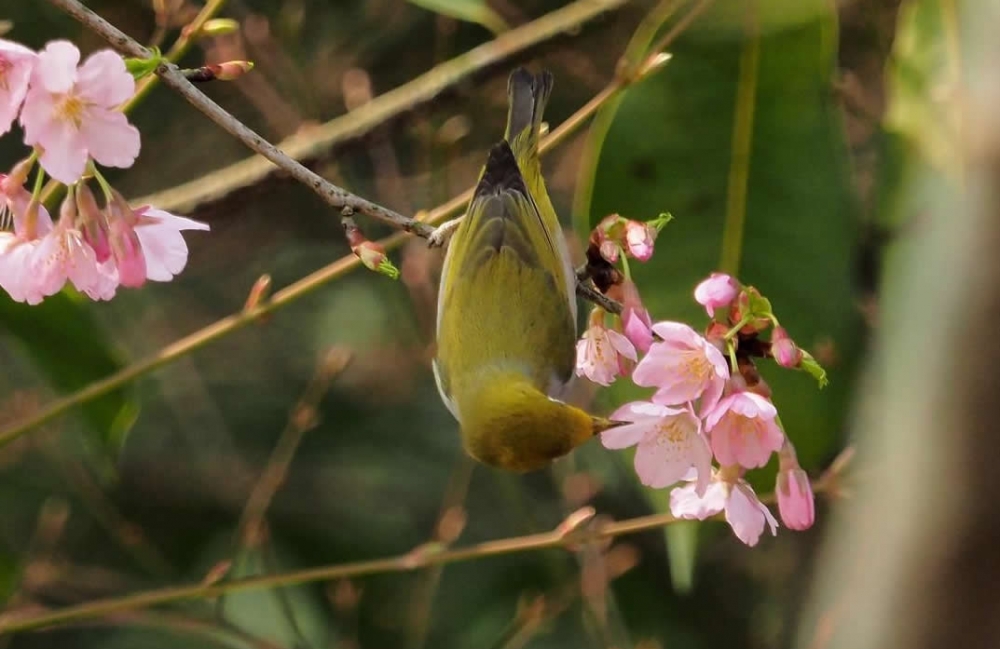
[506, 320]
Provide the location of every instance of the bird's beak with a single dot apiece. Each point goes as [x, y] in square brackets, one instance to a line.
[601, 424]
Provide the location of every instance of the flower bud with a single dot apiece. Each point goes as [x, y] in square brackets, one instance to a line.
[19, 173]
[372, 255]
[639, 238]
[796, 503]
[29, 224]
[751, 306]
[608, 237]
[784, 350]
[93, 223]
[229, 70]
[127, 251]
[259, 293]
[635, 318]
[609, 251]
[67, 209]
[716, 332]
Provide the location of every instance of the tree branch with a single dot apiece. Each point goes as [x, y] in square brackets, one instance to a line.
[569, 534]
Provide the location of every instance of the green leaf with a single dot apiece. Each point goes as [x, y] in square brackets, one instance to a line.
[71, 350]
[667, 145]
[140, 68]
[290, 616]
[473, 11]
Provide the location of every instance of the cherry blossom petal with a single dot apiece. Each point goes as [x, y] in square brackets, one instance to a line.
[683, 367]
[111, 140]
[55, 71]
[675, 445]
[104, 80]
[686, 503]
[163, 246]
[747, 515]
[64, 154]
[16, 64]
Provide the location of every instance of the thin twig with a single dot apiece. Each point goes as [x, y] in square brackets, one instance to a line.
[562, 536]
[172, 77]
[302, 418]
[450, 523]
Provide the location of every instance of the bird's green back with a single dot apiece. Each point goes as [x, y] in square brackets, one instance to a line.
[507, 303]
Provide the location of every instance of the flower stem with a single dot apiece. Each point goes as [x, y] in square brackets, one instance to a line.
[739, 165]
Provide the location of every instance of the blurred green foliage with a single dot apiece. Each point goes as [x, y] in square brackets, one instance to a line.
[474, 11]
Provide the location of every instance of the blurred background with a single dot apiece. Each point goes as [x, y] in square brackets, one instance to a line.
[852, 142]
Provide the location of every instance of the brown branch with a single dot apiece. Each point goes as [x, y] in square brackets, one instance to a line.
[569, 535]
[302, 418]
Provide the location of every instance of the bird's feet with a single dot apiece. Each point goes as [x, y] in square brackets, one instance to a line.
[443, 233]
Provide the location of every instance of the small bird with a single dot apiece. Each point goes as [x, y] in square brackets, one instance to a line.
[506, 319]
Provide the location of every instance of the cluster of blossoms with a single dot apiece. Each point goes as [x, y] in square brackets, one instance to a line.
[710, 418]
[71, 117]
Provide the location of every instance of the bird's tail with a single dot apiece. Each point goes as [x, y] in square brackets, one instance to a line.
[527, 93]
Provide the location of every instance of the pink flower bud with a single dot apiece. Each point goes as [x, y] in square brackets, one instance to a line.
[127, 251]
[67, 209]
[795, 499]
[608, 237]
[784, 350]
[229, 70]
[635, 318]
[93, 223]
[639, 238]
[609, 251]
[716, 292]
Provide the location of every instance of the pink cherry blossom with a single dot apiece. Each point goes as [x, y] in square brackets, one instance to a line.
[71, 112]
[743, 430]
[600, 354]
[716, 292]
[668, 440]
[746, 515]
[683, 367]
[795, 499]
[16, 63]
[639, 238]
[635, 318]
